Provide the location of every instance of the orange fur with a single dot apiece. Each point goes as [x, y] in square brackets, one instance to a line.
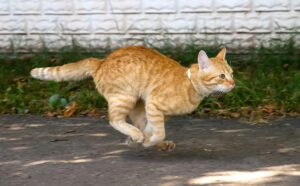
[146, 86]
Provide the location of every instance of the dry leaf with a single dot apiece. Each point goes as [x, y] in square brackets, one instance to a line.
[223, 112]
[245, 111]
[269, 108]
[235, 114]
[84, 112]
[94, 113]
[70, 109]
[207, 110]
[293, 114]
[51, 114]
[262, 121]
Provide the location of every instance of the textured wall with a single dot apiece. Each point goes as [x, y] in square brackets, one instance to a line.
[32, 24]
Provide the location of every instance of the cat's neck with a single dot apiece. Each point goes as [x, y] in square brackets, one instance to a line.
[188, 73]
[197, 84]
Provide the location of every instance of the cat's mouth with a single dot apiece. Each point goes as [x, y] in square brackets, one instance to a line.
[217, 94]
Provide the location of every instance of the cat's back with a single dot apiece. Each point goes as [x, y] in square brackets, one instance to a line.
[137, 62]
[137, 68]
[138, 55]
[133, 50]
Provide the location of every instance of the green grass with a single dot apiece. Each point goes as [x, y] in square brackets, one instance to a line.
[264, 75]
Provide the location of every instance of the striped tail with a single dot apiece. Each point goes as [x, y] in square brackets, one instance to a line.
[72, 71]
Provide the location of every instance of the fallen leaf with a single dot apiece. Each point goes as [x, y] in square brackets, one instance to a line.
[94, 113]
[70, 109]
[51, 114]
[269, 108]
[257, 117]
[262, 121]
[245, 111]
[207, 110]
[84, 112]
[223, 112]
[293, 114]
[235, 114]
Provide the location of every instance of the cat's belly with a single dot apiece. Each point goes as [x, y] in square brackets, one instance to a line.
[181, 109]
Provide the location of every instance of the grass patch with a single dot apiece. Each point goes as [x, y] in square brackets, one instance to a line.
[268, 79]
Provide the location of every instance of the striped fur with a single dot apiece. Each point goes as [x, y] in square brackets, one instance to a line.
[147, 86]
[72, 71]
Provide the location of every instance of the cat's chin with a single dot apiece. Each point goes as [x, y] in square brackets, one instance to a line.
[217, 94]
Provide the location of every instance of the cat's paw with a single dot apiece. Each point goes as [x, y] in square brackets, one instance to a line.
[130, 142]
[137, 138]
[166, 146]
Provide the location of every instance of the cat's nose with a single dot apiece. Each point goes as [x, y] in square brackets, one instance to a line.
[232, 84]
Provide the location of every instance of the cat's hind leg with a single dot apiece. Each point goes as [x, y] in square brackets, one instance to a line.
[138, 115]
[119, 106]
[138, 118]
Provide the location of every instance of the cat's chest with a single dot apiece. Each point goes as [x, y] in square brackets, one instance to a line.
[183, 106]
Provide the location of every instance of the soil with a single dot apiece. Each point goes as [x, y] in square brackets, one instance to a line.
[81, 151]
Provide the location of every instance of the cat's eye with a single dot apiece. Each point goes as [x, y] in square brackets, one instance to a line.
[222, 76]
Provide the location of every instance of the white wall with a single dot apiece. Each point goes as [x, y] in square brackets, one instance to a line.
[31, 24]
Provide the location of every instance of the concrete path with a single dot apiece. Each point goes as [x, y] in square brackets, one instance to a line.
[39, 151]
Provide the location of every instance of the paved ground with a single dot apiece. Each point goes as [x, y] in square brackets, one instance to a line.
[38, 151]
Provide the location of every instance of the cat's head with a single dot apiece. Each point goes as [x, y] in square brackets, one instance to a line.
[213, 75]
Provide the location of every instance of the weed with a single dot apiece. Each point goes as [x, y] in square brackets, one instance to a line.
[264, 76]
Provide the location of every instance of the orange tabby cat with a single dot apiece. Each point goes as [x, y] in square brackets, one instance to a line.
[147, 86]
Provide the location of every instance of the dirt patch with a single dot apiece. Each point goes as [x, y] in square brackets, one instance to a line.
[87, 151]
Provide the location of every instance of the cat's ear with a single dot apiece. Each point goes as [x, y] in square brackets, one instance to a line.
[222, 54]
[203, 60]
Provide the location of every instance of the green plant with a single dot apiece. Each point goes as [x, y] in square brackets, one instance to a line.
[264, 76]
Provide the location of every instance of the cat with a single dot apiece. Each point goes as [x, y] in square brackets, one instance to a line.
[147, 86]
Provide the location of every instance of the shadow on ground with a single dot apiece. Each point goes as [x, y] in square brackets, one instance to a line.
[86, 151]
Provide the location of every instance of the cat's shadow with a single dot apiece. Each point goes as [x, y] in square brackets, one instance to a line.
[186, 152]
[214, 143]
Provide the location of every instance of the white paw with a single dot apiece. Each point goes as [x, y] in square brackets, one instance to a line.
[138, 138]
[147, 144]
[155, 139]
[130, 142]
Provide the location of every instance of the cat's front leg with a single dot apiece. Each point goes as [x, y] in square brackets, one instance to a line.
[154, 132]
[156, 140]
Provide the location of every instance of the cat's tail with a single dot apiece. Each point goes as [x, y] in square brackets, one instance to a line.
[72, 71]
